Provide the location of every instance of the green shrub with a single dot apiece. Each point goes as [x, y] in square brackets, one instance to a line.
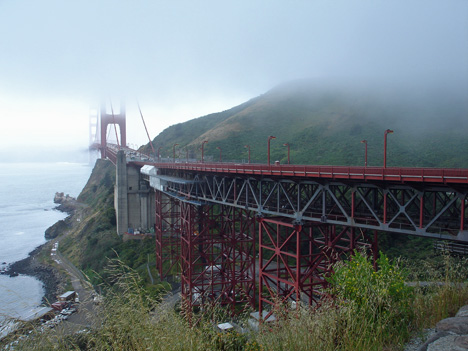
[378, 298]
[358, 281]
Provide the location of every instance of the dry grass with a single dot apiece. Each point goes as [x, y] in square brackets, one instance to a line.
[133, 321]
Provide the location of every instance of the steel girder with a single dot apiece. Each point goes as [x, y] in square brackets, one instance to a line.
[217, 255]
[167, 229]
[295, 260]
[431, 211]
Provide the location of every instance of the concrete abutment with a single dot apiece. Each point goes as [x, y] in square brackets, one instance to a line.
[133, 199]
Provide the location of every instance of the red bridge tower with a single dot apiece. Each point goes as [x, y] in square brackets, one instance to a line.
[112, 118]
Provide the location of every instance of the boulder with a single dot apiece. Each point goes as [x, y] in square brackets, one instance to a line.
[450, 343]
[462, 312]
[456, 325]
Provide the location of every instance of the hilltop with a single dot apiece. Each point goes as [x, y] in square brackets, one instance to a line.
[325, 122]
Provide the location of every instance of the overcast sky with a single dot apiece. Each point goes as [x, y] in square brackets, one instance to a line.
[185, 59]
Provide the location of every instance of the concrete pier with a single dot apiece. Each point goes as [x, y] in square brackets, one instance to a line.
[133, 199]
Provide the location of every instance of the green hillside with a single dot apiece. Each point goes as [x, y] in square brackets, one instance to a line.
[324, 124]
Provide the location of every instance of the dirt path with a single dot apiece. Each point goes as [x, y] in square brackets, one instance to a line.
[86, 315]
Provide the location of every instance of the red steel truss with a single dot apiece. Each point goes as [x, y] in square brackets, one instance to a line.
[423, 210]
[217, 255]
[167, 228]
[294, 260]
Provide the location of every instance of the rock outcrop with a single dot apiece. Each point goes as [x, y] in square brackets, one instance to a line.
[58, 228]
[451, 334]
[66, 202]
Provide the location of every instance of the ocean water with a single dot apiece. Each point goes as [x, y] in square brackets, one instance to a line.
[26, 210]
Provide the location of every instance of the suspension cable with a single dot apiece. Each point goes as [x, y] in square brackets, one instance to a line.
[115, 127]
[150, 142]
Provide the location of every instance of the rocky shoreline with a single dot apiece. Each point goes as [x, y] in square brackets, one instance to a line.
[52, 280]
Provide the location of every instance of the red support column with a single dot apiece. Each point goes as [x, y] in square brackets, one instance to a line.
[167, 230]
[295, 260]
[218, 261]
[279, 262]
[188, 232]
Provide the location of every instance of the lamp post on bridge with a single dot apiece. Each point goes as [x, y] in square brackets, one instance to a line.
[186, 153]
[202, 145]
[173, 152]
[388, 131]
[248, 147]
[220, 154]
[159, 154]
[365, 152]
[269, 138]
[287, 144]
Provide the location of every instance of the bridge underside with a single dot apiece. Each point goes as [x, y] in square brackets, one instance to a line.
[224, 254]
[231, 235]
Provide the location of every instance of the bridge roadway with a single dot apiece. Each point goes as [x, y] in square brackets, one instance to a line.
[427, 202]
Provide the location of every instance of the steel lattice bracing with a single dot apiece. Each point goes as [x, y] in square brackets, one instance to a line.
[217, 246]
[294, 260]
[167, 234]
[432, 211]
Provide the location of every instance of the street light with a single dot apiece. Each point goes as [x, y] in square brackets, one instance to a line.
[365, 153]
[220, 154]
[173, 151]
[269, 138]
[186, 153]
[202, 144]
[248, 147]
[388, 131]
[287, 144]
[159, 155]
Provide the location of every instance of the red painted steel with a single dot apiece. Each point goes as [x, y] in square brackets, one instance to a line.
[217, 255]
[107, 119]
[294, 260]
[217, 251]
[390, 174]
[168, 227]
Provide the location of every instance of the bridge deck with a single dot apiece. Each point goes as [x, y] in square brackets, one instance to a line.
[389, 174]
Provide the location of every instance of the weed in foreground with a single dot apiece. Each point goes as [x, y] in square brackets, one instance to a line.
[373, 310]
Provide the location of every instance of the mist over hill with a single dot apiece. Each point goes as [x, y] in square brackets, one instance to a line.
[324, 123]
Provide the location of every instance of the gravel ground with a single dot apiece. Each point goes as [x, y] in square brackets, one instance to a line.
[416, 343]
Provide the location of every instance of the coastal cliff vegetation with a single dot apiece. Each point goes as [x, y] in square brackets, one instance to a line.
[93, 242]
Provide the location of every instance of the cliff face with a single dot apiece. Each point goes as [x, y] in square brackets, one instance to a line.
[98, 191]
[93, 238]
[58, 228]
[95, 228]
